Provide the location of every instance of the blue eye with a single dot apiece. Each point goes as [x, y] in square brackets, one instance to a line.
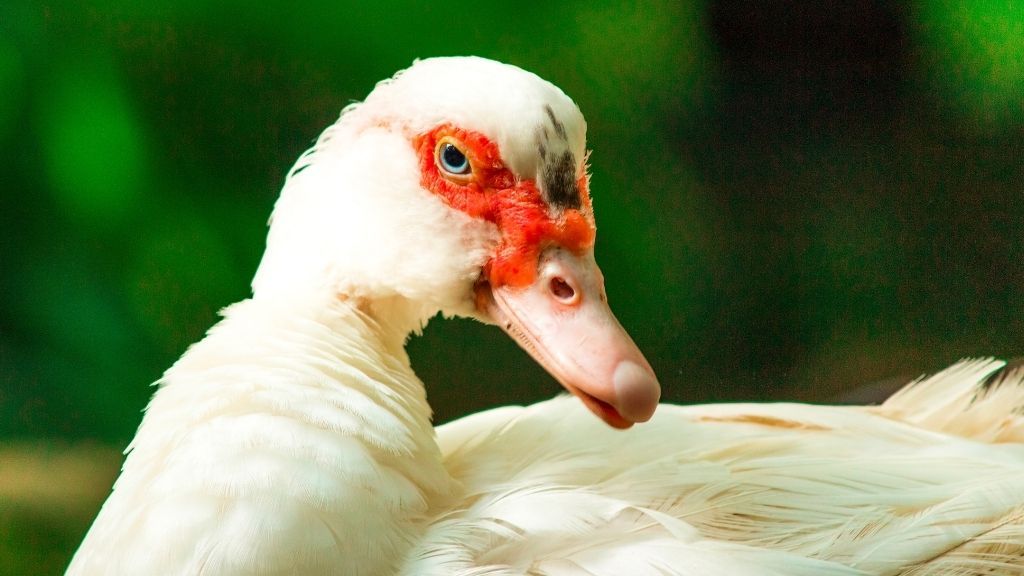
[452, 160]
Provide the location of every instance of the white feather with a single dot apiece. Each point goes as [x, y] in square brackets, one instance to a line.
[296, 439]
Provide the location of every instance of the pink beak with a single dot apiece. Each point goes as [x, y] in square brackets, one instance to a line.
[564, 322]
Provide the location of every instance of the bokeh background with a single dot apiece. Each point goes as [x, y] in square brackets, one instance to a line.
[809, 201]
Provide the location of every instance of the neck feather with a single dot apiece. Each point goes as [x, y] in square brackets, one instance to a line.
[301, 427]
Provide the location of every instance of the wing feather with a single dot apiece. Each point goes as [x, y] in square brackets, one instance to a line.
[920, 485]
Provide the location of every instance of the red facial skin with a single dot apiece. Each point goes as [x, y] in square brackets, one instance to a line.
[490, 191]
[556, 309]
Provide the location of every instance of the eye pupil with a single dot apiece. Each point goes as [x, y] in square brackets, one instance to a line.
[453, 160]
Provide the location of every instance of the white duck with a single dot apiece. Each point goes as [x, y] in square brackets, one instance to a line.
[296, 439]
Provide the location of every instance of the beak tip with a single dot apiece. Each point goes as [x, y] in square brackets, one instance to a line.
[637, 391]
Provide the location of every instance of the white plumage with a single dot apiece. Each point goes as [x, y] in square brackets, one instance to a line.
[296, 439]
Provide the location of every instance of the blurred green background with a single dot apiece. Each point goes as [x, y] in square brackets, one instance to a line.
[796, 200]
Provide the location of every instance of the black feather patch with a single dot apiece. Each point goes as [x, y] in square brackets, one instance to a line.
[559, 127]
[559, 181]
[557, 165]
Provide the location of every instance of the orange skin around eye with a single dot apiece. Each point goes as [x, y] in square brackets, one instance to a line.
[493, 193]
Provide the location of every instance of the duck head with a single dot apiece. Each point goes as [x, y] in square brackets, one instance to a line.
[460, 185]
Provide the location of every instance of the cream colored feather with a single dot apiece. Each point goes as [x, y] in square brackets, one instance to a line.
[866, 488]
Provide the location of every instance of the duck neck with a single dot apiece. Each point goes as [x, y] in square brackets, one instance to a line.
[324, 392]
[335, 345]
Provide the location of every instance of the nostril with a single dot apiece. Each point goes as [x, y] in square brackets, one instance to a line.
[562, 290]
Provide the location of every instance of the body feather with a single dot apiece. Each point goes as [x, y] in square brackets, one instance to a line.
[343, 474]
[793, 488]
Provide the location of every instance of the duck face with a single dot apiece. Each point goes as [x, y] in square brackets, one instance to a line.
[474, 174]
